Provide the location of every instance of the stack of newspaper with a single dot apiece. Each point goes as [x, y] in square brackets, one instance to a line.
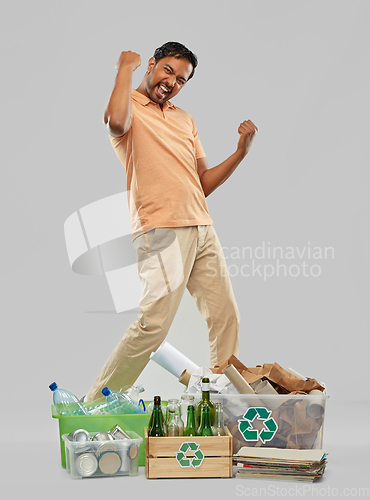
[275, 463]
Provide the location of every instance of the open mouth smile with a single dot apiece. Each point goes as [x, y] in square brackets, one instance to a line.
[162, 91]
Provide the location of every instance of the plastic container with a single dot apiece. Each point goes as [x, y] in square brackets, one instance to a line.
[279, 421]
[102, 458]
[100, 423]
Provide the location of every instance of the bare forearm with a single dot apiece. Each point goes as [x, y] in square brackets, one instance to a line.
[117, 115]
[214, 177]
[118, 112]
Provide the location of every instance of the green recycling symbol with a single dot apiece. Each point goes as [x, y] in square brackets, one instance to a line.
[185, 461]
[246, 427]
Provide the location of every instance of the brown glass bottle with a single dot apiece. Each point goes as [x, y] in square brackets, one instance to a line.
[156, 420]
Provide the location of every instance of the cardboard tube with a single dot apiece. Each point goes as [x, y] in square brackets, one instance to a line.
[316, 406]
[172, 360]
[237, 380]
[185, 377]
[264, 387]
[296, 374]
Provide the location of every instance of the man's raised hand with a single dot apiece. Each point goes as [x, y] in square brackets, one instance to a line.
[128, 59]
[247, 131]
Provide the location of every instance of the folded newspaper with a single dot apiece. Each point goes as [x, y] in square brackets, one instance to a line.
[274, 463]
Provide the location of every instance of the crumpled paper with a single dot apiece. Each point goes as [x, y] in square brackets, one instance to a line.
[219, 383]
[282, 381]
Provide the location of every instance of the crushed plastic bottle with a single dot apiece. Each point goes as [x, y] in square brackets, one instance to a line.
[66, 403]
[134, 391]
[119, 403]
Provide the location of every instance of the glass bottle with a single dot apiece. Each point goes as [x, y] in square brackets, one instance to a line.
[156, 420]
[174, 405]
[205, 428]
[186, 400]
[150, 409]
[219, 427]
[205, 401]
[172, 428]
[190, 429]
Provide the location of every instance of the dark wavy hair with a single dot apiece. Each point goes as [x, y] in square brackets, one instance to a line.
[177, 50]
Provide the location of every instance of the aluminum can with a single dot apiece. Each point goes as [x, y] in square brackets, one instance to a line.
[86, 464]
[133, 451]
[117, 433]
[102, 436]
[79, 435]
[109, 463]
[104, 447]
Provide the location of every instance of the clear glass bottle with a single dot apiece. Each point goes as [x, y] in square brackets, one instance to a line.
[174, 405]
[186, 400]
[190, 429]
[205, 428]
[205, 401]
[219, 427]
[172, 428]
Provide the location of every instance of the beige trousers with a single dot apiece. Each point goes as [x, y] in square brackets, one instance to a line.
[170, 260]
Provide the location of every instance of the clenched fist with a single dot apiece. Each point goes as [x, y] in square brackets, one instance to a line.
[247, 131]
[128, 59]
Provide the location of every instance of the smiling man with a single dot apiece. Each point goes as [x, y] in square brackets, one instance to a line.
[168, 179]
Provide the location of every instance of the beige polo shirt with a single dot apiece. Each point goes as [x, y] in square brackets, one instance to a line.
[160, 153]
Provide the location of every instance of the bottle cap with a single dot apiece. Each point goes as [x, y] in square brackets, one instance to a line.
[53, 386]
[106, 391]
[205, 384]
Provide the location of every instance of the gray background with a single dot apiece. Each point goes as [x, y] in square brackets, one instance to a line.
[299, 71]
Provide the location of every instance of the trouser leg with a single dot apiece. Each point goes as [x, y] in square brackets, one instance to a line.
[210, 286]
[165, 260]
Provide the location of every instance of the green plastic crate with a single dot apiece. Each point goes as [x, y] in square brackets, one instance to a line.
[101, 423]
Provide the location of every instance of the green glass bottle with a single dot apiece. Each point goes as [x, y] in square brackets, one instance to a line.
[190, 429]
[204, 401]
[205, 428]
[156, 426]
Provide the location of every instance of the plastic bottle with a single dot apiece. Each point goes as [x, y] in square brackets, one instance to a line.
[119, 403]
[66, 403]
[134, 391]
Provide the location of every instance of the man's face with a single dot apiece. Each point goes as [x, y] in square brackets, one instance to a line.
[166, 78]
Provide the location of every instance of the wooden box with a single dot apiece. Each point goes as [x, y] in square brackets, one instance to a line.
[182, 456]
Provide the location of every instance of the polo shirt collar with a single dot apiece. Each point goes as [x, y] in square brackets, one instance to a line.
[144, 100]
